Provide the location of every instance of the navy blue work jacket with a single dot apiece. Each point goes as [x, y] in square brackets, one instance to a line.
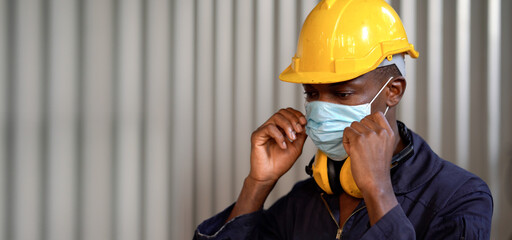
[437, 200]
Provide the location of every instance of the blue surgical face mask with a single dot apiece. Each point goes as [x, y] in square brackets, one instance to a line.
[327, 121]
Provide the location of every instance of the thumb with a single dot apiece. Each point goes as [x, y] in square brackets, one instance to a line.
[346, 143]
[299, 141]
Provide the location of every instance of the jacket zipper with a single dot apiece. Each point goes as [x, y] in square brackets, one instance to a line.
[340, 229]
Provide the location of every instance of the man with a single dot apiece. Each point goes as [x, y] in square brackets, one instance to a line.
[372, 177]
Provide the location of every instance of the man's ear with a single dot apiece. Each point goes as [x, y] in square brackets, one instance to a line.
[396, 89]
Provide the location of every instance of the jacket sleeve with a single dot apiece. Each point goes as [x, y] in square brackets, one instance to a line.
[393, 225]
[257, 225]
[216, 227]
[262, 224]
[467, 215]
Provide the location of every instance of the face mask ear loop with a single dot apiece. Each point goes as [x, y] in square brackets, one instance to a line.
[380, 90]
[370, 104]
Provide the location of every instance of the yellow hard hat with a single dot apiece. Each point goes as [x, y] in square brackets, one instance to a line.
[343, 39]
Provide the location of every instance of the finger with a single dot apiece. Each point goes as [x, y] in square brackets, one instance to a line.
[268, 133]
[286, 124]
[371, 124]
[294, 117]
[380, 119]
[349, 135]
[360, 127]
[274, 133]
[302, 118]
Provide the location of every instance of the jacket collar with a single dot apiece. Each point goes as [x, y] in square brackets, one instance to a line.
[414, 165]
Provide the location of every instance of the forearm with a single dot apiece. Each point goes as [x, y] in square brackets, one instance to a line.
[252, 197]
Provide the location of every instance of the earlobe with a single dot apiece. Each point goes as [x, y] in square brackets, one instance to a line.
[396, 89]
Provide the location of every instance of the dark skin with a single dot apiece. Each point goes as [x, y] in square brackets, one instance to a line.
[371, 143]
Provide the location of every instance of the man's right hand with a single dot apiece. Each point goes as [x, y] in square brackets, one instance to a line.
[276, 145]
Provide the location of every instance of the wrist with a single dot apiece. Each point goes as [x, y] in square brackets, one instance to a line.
[252, 197]
[377, 188]
[379, 200]
[259, 183]
[256, 191]
[378, 193]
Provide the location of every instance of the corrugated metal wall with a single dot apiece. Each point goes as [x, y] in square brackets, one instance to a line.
[131, 119]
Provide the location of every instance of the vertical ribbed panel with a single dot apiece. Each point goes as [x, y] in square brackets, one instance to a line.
[264, 65]
[132, 119]
[493, 102]
[434, 69]
[478, 89]
[243, 89]
[408, 104]
[502, 226]
[502, 223]
[462, 81]
[264, 72]
[182, 91]
[62, 88]
[204, 129]
[4, 181]
[223, 102]
[156, 155]
[95, 188]
[27, 156]
[128, 126]
[448, 87]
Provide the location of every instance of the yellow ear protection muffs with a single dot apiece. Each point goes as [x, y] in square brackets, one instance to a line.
[333, 177]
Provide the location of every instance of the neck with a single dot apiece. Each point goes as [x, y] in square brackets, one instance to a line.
[399, 142]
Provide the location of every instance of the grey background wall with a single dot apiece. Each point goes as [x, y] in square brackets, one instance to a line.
[130, 119]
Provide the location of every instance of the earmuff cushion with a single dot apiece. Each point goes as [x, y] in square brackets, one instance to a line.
[333, 172]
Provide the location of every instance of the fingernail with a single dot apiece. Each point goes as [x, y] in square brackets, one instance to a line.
[292, 133]
[284, 144]
[299, 127]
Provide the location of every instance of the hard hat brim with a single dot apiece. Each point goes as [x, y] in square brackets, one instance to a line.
[290, 75]
[293, 76]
